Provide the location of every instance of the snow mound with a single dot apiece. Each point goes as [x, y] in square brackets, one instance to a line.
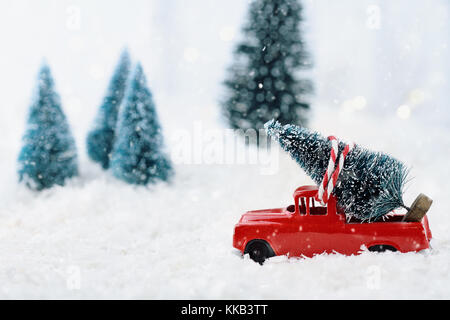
[100, 238]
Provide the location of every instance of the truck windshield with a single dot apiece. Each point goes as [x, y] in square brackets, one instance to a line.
[302, 206]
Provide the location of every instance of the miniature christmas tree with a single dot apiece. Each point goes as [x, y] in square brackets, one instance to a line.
[48, 156]
[263, 81]
[100, 140]
[370, 184]
[138, 156]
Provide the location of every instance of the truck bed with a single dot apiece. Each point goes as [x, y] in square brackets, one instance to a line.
[386, 219]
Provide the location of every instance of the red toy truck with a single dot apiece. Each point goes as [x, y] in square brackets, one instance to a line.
[307, 228]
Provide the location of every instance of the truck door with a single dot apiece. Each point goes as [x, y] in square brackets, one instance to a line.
[313, 226]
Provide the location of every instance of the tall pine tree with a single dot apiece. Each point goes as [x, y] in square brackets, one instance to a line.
[370, 184]
[263, 81]
[48, 156]
[138, 156]
[100, 140]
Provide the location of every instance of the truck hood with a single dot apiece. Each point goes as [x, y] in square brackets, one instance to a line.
[267, 215]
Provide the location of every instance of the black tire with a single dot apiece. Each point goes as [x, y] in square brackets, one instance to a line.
[259, 251]
[382, 248]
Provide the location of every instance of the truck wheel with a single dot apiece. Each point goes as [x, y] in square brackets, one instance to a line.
[382, 248]
[259, 251]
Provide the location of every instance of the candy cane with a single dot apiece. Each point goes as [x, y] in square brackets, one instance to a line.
[327, 185]
[329, 172]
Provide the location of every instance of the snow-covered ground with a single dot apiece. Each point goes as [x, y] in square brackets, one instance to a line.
[100, 238]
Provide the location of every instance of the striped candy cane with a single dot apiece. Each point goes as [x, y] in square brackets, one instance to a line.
[331, 176]
[329, 172]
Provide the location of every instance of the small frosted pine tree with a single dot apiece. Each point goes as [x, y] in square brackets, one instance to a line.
[263, 82]
[48, 156]
[100, 140]
[138, 156]
[370, 184]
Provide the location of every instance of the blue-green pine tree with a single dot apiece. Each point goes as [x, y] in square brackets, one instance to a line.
[138, 156]
[370, 184]
[48, 156]
[100, 139]
[263, 83]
